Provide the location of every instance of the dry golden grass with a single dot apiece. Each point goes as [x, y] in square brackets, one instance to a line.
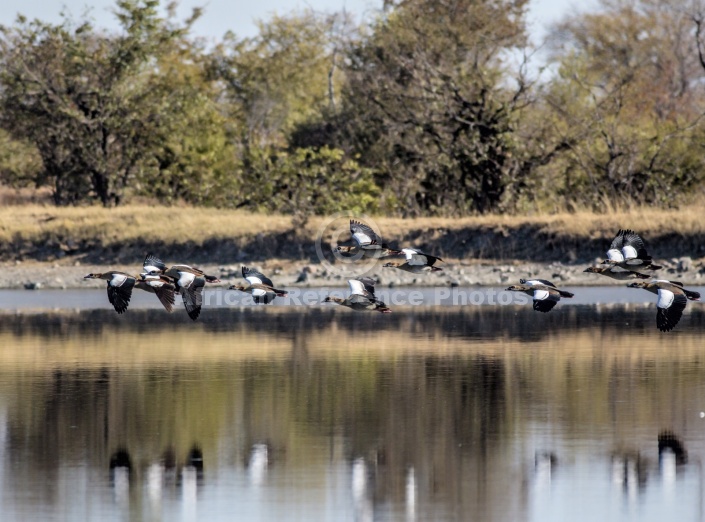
[169, 225]
[123, 224]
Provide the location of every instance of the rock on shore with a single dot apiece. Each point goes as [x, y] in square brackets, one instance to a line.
[68, 273]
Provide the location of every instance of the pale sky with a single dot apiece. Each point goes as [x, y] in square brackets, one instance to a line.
[239, 15]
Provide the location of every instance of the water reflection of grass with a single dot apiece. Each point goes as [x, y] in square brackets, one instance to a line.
[150, 338]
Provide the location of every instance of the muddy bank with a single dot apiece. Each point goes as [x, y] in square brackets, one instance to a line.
[525, 243]
[69, 272]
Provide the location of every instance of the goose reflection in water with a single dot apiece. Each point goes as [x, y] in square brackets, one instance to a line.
[629, 474]
[544, 464]
[630, 470]
[671, 454]
[361, 478]
[411, 494]
[160, 474]
[156, 476]
[258, 463]
[120, 471]
[191, 478]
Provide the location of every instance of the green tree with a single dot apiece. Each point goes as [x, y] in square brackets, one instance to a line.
[280, 78]
[306, 182]
[627, 96]
[20, 165]
[89, 101]
[430, 103]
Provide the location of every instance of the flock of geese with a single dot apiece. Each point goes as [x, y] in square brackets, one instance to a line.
[627, 259]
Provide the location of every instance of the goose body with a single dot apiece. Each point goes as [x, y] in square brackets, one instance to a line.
[189, 281]
[415, 262]
[120, 287]
[362, 296]
[616, 272]
[628, 251]
[259, 286]
[544, 293]
[672, 299]
[367, 243]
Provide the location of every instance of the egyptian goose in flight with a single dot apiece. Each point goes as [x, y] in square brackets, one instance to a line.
[628, 251]
[189, 281]
[367, 242]
[545, 293]
[416, 262]
[120, 287]
[672, 298]
[160, 285]
[362, 296]
[259, 286]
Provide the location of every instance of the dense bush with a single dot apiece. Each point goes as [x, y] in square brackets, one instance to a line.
[423, 111]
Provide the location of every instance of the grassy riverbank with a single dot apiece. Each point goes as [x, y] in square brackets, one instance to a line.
[99, 235]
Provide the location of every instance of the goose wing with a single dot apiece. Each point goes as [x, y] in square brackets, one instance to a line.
[161, 286]
[193, 297]
[176, 271]
[415, 257]
[255, 278]
[153, 264]
[369, 285]
[633, 246]
[545, 300]
[120, 291]
[363, 234]
[165, 294]
[614, 253]
[183, 275]
[670, 308]
[363, 286]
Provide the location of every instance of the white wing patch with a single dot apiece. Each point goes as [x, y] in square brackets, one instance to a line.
[258, 292]
[361, 238]
[253, 280]
[185, 279]
[414, 257]
[540, 295]
[615, 255]
[532, 282]
[629, 252]
[665, 298]
[118, 280]
[409, 253]
[356, 287]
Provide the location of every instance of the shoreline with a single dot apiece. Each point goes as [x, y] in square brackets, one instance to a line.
[69, 273]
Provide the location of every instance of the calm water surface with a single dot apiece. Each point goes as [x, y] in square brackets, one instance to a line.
[484, 413]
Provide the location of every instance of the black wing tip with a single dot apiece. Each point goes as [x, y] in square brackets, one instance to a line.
[194, 313]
